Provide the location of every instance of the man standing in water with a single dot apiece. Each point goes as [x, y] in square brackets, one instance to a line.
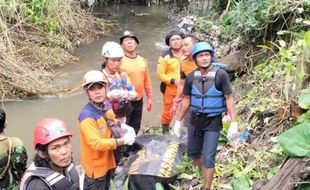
[208, 94]
[138, 71]
[168, 72]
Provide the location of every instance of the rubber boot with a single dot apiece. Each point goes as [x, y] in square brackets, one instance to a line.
[165, 128]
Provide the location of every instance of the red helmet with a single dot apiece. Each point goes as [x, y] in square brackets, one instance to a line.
[49, 130]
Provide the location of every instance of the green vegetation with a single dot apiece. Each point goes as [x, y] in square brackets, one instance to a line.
[36, 35]
[276, 43]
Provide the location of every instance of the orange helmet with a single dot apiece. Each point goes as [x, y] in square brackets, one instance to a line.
[49, 130]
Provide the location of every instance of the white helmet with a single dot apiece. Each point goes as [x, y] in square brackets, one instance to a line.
[112, 50]
[92, 77]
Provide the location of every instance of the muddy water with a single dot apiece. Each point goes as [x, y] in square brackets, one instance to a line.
[150, 29]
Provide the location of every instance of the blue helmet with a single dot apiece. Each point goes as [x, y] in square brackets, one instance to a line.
[200, 47]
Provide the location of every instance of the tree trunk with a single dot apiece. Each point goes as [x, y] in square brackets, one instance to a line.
[290, 173]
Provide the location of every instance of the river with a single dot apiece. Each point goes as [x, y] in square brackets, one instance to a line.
[150, 29]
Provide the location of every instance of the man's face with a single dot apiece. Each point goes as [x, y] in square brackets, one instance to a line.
[175, 42]
[97, 93]
[187, 45]
[129, 44]
[60, 152]
[203, 59]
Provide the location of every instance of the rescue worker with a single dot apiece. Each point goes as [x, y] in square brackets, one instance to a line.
[13, 157]
[113, 53]
[207, 95]
[97, 143]
[52, 167]
[137, 69]
[187, 66]
[168, 72]
[120, 91]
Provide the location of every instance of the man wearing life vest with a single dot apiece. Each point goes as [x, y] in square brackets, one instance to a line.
[168, 72]
[97, 142]
[52, 167]
[207, 94]
[138, 70]
[13, 157]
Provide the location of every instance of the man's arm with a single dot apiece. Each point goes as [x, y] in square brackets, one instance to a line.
[161, 71]
[18, 158]
[148, 89]
[184, 107]
[178, 98]
[230, 103]
[93, 138]
[180, 89]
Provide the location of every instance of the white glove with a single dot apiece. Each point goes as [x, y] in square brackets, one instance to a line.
[129, 138]
[114, 94]
[128, 129]
[177, 128]
[132, 95]
[232, 131]
[122, 120]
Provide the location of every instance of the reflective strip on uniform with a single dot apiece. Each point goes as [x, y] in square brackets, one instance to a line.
[55, 180]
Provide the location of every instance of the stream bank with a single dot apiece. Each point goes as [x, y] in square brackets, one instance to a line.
[37, 37]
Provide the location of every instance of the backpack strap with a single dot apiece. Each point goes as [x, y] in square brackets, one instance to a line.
[9, 159]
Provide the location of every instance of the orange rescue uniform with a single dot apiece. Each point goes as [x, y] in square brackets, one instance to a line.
[187, 66]
[138, 71]
[97, 146]
[168, 70]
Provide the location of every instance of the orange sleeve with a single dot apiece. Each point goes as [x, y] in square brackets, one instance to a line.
[162, 70]
[93, 138]
[110, 114]
[147, 81]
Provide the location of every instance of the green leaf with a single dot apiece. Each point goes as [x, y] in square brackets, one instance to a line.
[159, 186]
[263, 46]
[241, 182]
[285, 53]
[282, 43]
[307, 38]
[304, 99]
[296, 140]
[304, 117]
[125, 187]
[303, 187]
[112, 185]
